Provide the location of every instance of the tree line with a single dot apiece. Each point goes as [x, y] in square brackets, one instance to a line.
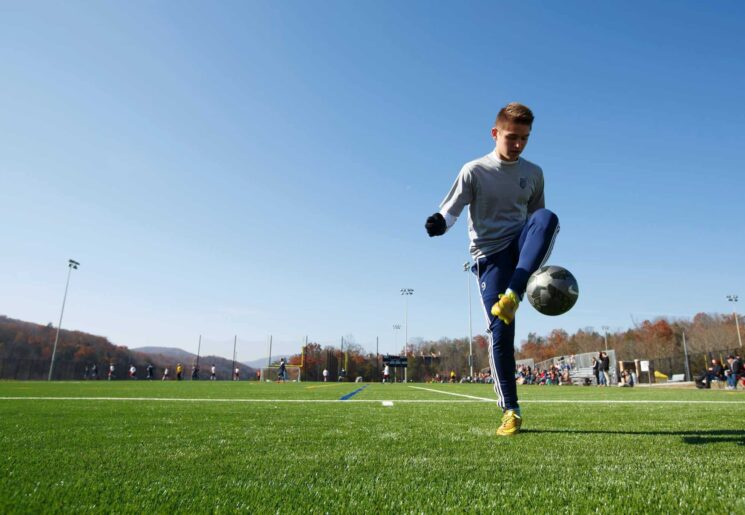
[706, 335]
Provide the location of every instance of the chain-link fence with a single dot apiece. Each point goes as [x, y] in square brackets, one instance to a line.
[581, 363]
[696, 365]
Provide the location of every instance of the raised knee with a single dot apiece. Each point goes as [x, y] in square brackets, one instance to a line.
[545, 216]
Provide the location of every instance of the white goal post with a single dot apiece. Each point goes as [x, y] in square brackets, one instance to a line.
[271, 374]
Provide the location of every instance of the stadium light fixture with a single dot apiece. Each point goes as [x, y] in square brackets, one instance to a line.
[406, 292]
[467, 269]
[735, 298]
[71, 265]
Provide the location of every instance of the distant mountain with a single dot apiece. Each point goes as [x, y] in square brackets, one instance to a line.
[168, 352]
[257, 363]
[26, 350]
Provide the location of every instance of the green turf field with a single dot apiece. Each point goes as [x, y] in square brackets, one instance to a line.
[296, 448]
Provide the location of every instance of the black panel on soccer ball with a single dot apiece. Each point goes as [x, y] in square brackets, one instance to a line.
[552, 290]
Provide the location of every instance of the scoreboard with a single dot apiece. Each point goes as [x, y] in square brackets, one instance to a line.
[395, 361]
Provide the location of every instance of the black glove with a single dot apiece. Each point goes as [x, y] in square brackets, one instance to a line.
[436, 225]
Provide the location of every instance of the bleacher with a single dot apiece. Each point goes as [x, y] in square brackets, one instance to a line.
[582, 376]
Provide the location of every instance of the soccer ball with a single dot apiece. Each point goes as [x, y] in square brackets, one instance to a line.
[552, 290]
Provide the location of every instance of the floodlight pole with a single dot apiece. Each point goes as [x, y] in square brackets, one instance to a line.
[377, 356]
[735, 298]
[467, 269]
[232, 367]
[685, 353]
[71, 265]
[605, 336]
[406, 292]
[199, 349]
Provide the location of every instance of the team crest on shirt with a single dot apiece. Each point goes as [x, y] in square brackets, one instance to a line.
[483, 285]
[523, 182]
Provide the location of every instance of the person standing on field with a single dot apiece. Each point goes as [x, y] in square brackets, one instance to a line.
[605, 361]
[511, 236]
[282, 370]
[596, 371]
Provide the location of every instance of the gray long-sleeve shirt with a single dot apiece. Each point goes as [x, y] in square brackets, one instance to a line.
[500, 195]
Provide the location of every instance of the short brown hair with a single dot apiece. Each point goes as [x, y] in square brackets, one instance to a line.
[516, 113]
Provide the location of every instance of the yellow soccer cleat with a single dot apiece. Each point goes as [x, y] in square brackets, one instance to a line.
[505, 307]
[511, 423]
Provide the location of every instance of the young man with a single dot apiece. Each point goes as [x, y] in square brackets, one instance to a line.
[511, 236]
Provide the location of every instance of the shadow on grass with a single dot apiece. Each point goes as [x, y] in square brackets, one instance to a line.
[736, 436]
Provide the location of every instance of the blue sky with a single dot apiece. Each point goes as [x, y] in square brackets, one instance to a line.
[265, 168]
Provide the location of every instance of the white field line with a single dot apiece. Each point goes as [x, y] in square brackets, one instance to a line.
[176, 399]
[472, 400]
[455, 394]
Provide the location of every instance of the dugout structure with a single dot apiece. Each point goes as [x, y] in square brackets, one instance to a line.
[271, 374]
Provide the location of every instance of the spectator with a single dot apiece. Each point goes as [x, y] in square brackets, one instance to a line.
[596, 371]
[627, 379]
[605, 364]
[714, 373]
[553, 377]
[733, 371]
[150, 371]
[282, 370]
